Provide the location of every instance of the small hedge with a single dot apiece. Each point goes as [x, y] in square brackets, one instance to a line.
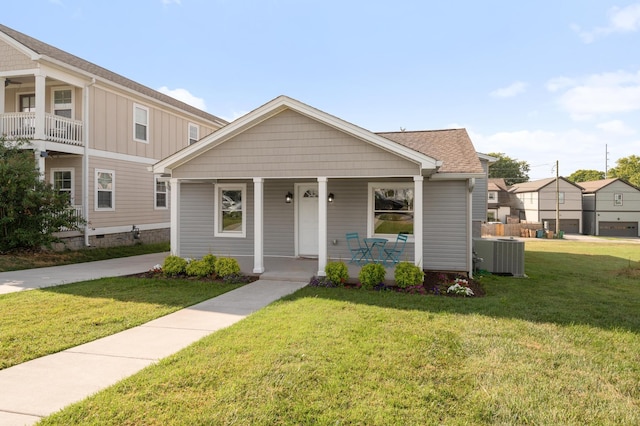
[371, 275]
[407, 274]
[337, 272]
[174, 265]
[226, 266]
[199, 268]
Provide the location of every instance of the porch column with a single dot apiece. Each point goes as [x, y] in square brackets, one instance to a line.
[322, 225]
[258, 225]
[417, 219]
[2, 90]
[40, 106]
[174, 186]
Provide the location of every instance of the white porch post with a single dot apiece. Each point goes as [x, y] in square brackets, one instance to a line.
[40, 102]
[2, 90]
[174, 185]
[258, 225]
[322, 225]
[417, 219]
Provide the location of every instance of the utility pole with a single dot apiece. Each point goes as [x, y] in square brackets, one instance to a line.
[606, 160]
[557, 200]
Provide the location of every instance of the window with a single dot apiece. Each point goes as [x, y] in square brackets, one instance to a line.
[140, 123]
[194, 133]
[28, 103]
[161, 194]
[391, 208]
[561, 197]
[230, 220]
[493, 196]
[105, 185]
[617, 199]
[63, 103]
[62, 181]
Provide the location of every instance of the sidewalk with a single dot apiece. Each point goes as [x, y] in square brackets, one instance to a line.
[29, 279]
[40, 387]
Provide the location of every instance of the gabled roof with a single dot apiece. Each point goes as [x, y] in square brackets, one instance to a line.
[596, 185]
[46, 51]
[537, 185]
[282, 103]
[497, 184]
[453, 147]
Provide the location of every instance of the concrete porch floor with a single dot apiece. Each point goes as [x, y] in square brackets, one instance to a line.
[296, 269]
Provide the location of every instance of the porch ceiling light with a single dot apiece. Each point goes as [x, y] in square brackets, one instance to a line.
[288, 198]
[331, 197]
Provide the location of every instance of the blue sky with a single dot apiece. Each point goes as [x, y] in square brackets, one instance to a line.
[539, 81]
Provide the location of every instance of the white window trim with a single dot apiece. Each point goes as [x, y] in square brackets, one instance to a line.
[217, 205]
[495, 196]
[618, 199]
[193, 126]
[113, 191]
[371, 205]
[73, 99]
[138, 106]
[155, 194]
[72, 195]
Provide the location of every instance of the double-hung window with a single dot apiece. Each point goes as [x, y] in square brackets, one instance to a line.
[63, 103]
[617, 199]
[194, 133]
[62, 181]
[105, 190]
[391, 208]
[230, 206]
[160, 194]
[140, 123]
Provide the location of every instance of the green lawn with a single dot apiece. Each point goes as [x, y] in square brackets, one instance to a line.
[29, 260]
[559, 347]
[40, 322]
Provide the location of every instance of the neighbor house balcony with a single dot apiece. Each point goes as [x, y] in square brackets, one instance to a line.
[22, 125]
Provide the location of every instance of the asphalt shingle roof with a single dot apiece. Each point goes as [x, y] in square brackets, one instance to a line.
[452, 146]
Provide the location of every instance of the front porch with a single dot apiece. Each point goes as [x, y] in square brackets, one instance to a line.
[58, 129]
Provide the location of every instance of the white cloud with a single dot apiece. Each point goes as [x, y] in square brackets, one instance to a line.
[616, 127]
[167, 2]
[621, 20]
[234, 116]
[598, 94]
[184, 96]
[509, 91]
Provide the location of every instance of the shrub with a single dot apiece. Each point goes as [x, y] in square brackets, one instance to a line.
[371, 275]
[226, 266]
[407, 274]
[199, 268]
[337, 272]
[210, 260]
[174, 265]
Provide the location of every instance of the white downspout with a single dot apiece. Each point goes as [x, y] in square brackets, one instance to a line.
[471, 186]
[322, 225]
[418, 213]
[85, 161]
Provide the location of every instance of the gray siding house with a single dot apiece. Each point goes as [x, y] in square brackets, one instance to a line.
[289, 180]
[611, 207]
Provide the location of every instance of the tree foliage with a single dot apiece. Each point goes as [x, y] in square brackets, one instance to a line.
[511, 170]
[31, 211]
[585, 176]
[628, 169]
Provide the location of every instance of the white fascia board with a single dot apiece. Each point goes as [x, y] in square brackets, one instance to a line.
[456, 176]
[486, 157]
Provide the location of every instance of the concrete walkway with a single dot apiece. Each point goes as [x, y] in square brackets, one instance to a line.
[37, 388]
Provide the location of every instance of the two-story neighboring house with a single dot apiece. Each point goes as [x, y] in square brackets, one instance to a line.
[499, 200]
[611, 207]
[540, 199]
[94, 134]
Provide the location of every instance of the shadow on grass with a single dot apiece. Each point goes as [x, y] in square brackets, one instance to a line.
[564, 289]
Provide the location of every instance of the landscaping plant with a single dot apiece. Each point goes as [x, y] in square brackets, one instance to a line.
[371, 275]
[337, 272]
[174, 265]
[407, 274]
[227, 266]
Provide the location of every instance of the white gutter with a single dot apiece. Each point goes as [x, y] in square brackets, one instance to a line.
[85, 162]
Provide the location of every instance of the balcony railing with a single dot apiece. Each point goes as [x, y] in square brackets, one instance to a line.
[15, 125]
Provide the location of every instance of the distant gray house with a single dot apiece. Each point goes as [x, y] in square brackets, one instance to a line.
[499, 200]
[289, 180]
[611, 207]
[538, 201]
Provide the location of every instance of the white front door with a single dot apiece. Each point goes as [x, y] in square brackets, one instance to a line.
[307, 199]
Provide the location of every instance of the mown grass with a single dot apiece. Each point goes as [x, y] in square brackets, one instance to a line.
[40, 322]
[559, 347]
[29, 260]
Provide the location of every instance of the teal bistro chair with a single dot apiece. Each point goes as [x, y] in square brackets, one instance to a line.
[394, 253]
[358, 253]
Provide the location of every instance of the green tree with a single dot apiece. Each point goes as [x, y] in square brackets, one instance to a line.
[585, 176]
[628, 169]
[512, 170]
[31, 211]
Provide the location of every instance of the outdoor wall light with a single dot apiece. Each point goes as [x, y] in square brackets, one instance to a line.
[135, 231]
[44, 154]
[288, 198]
[331, 197]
